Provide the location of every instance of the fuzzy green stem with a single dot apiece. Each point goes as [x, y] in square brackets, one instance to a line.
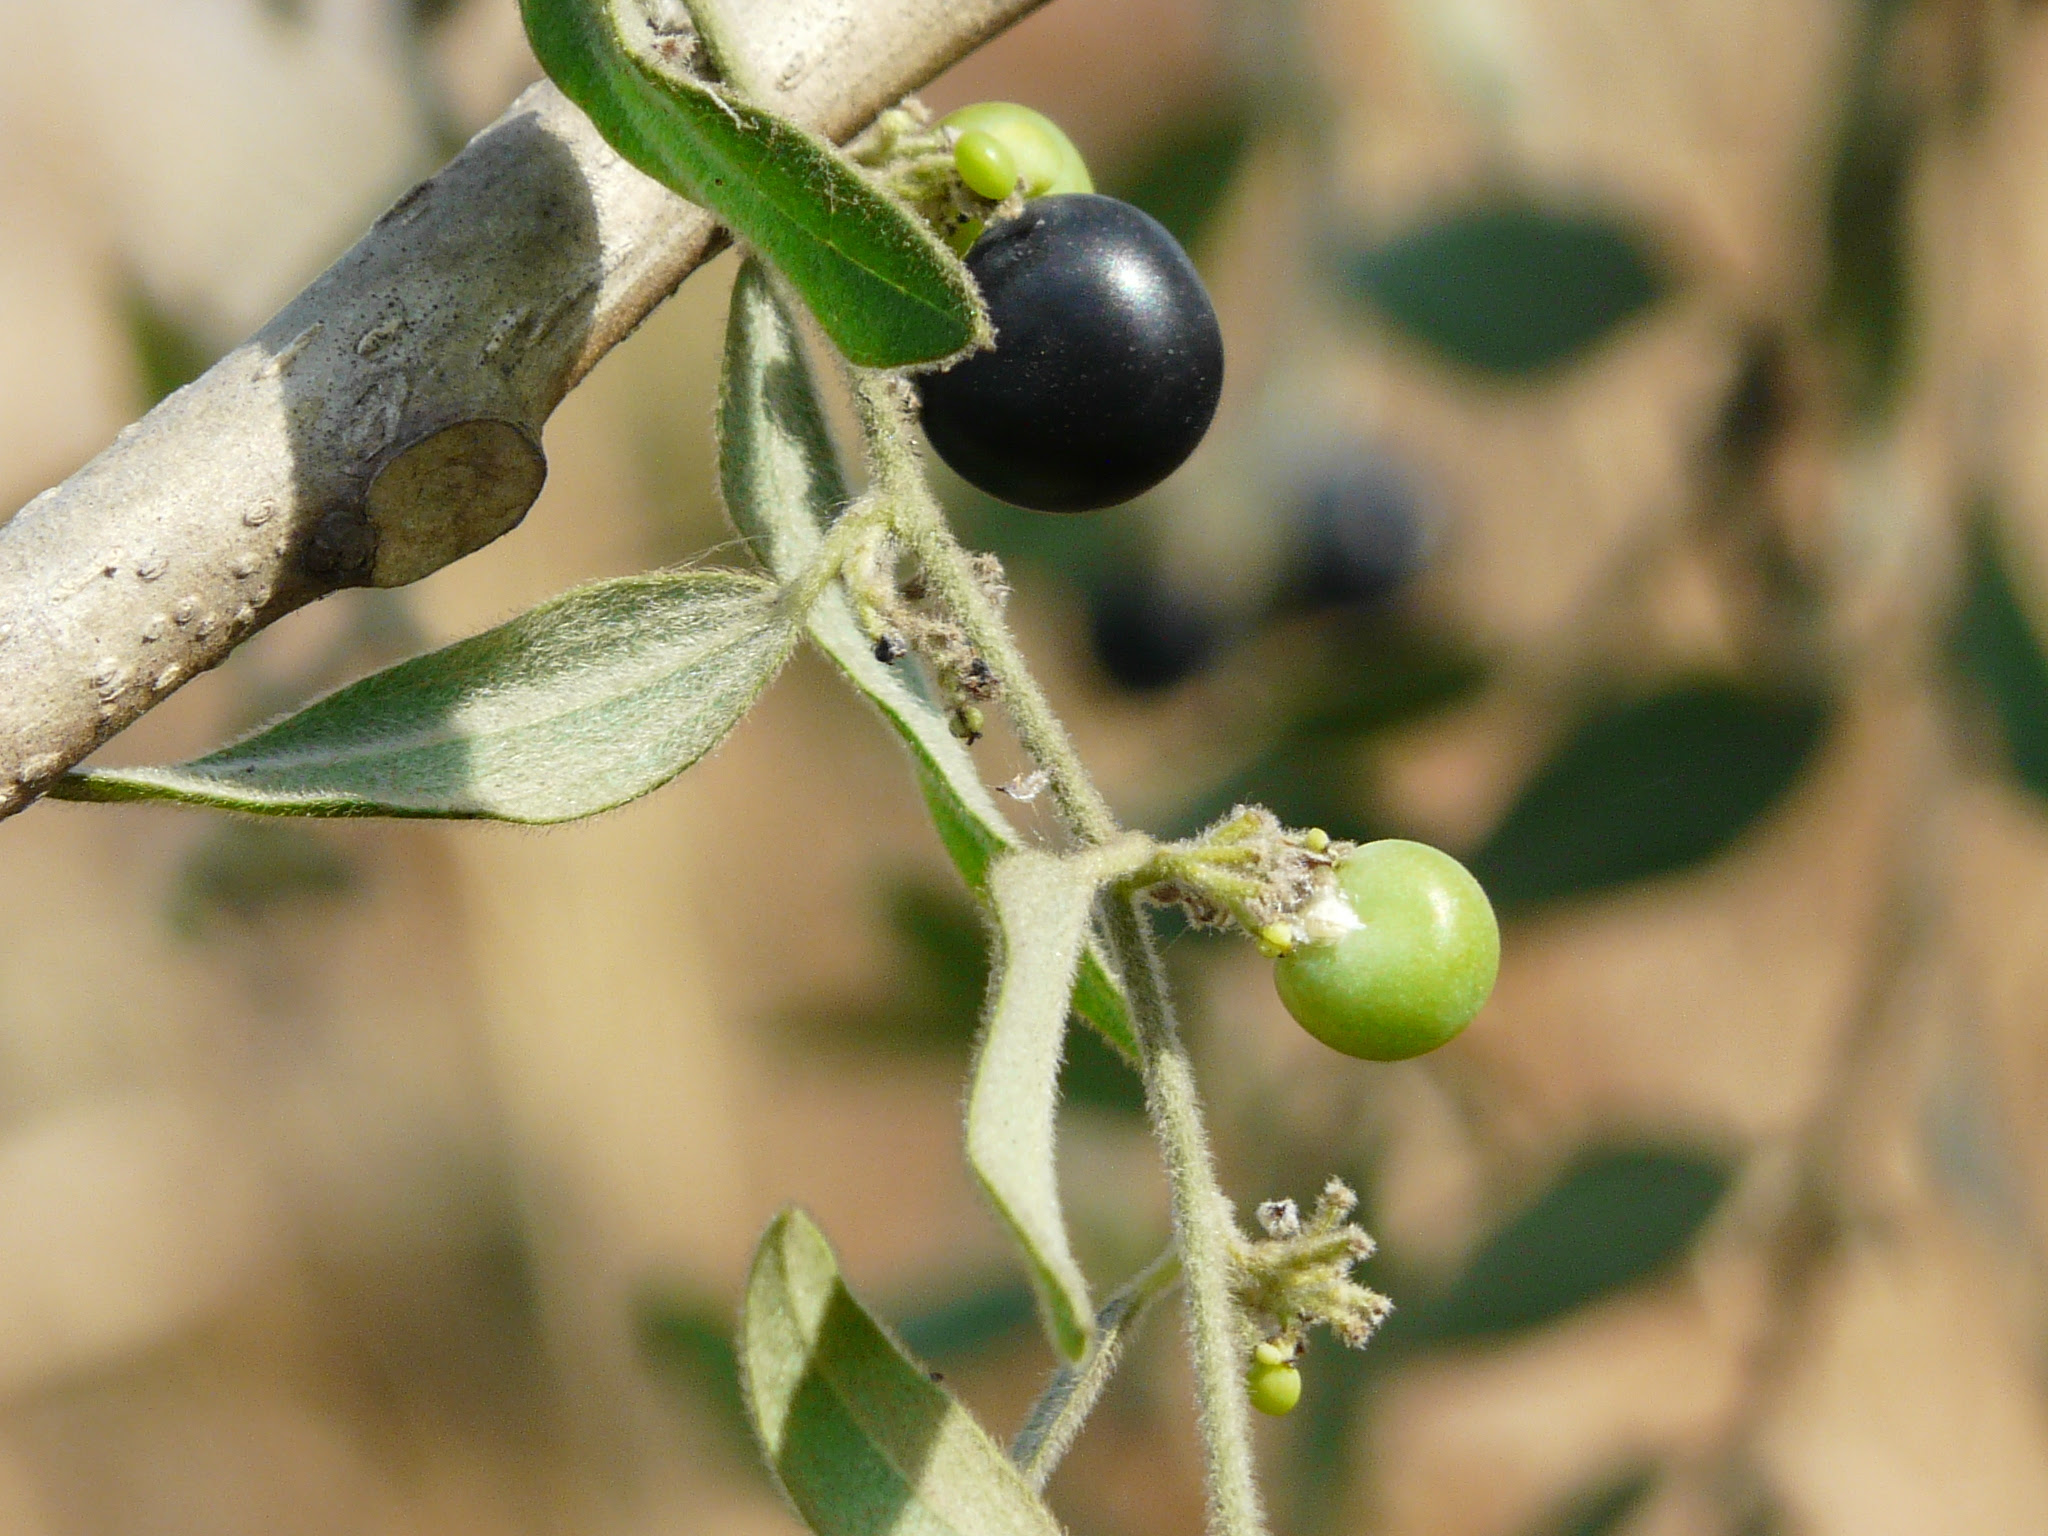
[1056, 1418]
[857, 525]
[1203, 1226]
[949, 575]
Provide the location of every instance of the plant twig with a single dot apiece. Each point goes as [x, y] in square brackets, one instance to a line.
[1056, 1418]
[1203, 1224]
[884, 404]
[388, 421]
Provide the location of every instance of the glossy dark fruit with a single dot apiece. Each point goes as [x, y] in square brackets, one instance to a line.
[1107, 364]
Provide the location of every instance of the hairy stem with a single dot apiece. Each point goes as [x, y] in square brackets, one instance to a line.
[849, 532]
[1056, 1418]
[949, 574]
[1202, 1220]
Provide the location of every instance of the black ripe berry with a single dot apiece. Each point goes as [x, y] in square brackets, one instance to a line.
[1106, 367]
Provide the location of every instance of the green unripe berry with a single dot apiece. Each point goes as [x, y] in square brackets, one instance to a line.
[1413, 971]
[1272, 1383]
[1043, 157]
[985, 164]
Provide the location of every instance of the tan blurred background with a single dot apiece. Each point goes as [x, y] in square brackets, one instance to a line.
[400, 1178]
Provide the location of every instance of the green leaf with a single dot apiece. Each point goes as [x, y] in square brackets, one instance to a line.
[1067, 1400]
[782, 487]
[169, 354]
[1647, 788]
[861, 1438]
[940, 970]
[1866, 299]
[1616, 1217]
[1044, 907]
[574, 707]
[884, 288]
[1995, 645]
[1509, 288]
[968, 1323]
[1094, 1075]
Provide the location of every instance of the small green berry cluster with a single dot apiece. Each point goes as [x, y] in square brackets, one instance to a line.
[1273, 1381]
[972, 164]
[1295, 1278]
[1000, 148]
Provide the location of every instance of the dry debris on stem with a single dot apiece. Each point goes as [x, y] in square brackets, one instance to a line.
[1251, 871]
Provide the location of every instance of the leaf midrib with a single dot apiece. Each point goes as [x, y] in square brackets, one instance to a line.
[636, 105]
[499, 707]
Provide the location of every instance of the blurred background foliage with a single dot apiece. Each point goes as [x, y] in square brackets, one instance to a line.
[1630, 477]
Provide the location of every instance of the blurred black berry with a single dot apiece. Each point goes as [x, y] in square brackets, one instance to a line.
[1362, 532]
[1148, 636]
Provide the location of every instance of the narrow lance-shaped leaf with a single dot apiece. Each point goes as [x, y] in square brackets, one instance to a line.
[574, 707]
[1616, 1217]
[782, 486]
[1043, 907]
[1510, 288]
[861, 1438]
[885, 288]
[1056, 1418]
[1650, 787]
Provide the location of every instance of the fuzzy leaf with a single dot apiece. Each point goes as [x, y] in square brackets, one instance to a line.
[1043, 906]
[782, 486]
[579, 705]
[861, 1438]
[883, 286]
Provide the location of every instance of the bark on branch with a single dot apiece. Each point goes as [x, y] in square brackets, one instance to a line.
[388, 420]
